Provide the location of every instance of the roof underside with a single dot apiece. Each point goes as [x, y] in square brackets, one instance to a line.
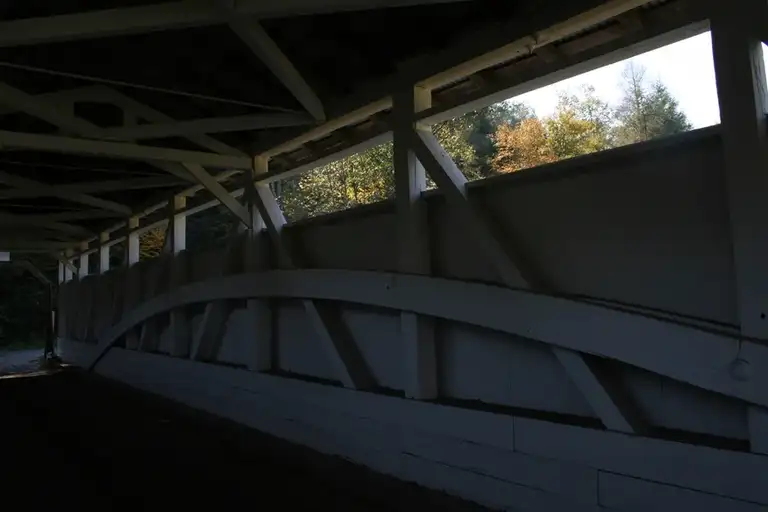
[207, 71]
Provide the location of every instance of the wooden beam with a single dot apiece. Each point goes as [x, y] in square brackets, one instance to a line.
[417, 332]
[8, 219]
[91, 187]
[103, 253]
[250, 31]
[137, 109]
[741, 89]
[178, 327]
[202, 126]
[332, 333]
[58, 144]
[54, 191]
[219, 192]
[39, 108]
[514, 272]
[255, 259]
[132, 247]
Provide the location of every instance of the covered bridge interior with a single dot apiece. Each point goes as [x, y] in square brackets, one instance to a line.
[588, 334]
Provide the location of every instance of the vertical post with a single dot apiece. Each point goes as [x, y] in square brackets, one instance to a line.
[256, 258]
[417, 332]
[61, 270]
[103, 253]
[132, 242]
[741, 89]
[178, 228]
[68, 274]
[133, 281]
[178, 326]
[82, 269]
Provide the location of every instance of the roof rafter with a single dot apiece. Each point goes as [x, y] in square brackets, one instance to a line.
[50, 113]
[250, 32]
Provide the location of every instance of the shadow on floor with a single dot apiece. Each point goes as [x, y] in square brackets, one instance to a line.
[81, 440]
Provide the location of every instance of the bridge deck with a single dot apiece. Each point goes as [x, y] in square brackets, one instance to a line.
[104, 444]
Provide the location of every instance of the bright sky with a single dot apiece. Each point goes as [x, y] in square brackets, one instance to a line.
[685, 67]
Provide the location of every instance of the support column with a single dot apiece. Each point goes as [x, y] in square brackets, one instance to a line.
[416, 332]
[741, 89]
[132, 280]
[177, 231]
[61, 271]
[256, 259]
[103, 253]
[82, 269]
[176, 243]
[85, 297]
[68, 272]
[132, 242]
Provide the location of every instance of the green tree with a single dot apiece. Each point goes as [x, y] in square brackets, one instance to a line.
[483, 125]
[581, 124]
[366, 177]
[646, 111]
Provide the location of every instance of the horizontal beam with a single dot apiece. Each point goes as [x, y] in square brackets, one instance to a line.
[525, 45]
[91, 187]
[8, 219]
[209, 125]
[69, 216]
[166, 16]
[665, 26]
[658, 346]
[69, 145]
[54, 191]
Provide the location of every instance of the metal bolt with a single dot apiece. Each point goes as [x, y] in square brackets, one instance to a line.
[740, 370]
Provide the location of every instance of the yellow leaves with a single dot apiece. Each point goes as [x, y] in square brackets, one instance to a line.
[522, 146]
[535, 142]
[151, 243]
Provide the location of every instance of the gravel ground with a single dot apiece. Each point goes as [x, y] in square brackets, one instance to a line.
[76, 440]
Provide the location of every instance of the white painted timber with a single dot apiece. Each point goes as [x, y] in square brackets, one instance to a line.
[208, 125]
[328, 327]
[733, 474]
[497, 460]
[54, 191]
[650, 343]
[620, 492]
[219, 192]
[417, 333]
[250, 32]
[58, 144]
